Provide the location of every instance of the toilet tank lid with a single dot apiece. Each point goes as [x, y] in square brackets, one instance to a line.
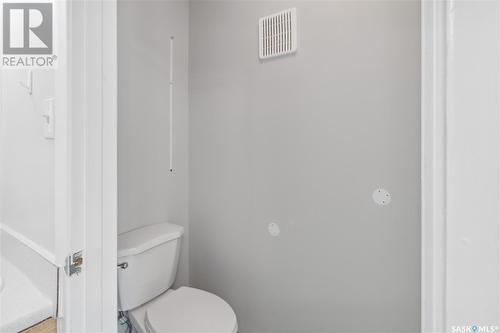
[142, 239]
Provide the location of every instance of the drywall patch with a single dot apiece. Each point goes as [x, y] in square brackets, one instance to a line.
[381, 197]
[274, 229]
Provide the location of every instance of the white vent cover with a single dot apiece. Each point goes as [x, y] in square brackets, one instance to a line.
[278, 34]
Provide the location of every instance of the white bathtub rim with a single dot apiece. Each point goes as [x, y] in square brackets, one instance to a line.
[40, 250]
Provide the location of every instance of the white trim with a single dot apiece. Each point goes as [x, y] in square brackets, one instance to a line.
[62, 158]
[89, 301]
[171, 106]
[433, 136]
[99, 65]
[43, 252]
[109, 166]
[62, 142]
[93, 66]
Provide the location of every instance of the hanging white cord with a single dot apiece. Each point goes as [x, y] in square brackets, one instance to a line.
[171, 101]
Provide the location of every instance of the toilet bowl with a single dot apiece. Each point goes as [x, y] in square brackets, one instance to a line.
[186, 310]
[147, 261]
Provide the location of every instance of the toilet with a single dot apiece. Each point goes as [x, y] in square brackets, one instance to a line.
[147, 265]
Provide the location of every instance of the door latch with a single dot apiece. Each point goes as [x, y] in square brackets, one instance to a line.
[74, 263]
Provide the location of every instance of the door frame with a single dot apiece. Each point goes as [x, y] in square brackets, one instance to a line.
[100, 63]
[434, 27]
[110, 165]
[86, 86]
[460, 165]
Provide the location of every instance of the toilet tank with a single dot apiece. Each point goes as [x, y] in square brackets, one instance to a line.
[147, 260]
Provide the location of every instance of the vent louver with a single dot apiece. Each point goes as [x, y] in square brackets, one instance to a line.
[278, 34]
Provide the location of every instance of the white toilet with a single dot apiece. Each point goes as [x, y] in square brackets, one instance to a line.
[147, 260]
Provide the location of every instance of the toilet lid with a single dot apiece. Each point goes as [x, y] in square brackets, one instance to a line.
[190, 310]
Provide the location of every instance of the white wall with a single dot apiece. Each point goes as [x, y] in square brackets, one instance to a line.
[303, 141]
[473, 227]
[27, 179]
[147, 192]
[27, 171]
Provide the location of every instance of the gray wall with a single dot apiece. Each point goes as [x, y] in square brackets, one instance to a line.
[147, 192]
[303, 141]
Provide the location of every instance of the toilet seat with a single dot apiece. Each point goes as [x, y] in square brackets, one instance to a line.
[190, 310]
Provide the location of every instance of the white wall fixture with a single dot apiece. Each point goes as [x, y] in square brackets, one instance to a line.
[381, 197]
[28, 85]
[48, 117]
[278, 34]
[171, 105]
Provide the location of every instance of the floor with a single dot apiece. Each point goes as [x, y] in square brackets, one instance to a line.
[46, 326]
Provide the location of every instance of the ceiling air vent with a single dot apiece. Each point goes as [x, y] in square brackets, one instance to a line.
[278, 34]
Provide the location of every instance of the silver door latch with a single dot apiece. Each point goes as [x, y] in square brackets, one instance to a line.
[74, 263]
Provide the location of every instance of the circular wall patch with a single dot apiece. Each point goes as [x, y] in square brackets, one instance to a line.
[381, 197]
[274, 229]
